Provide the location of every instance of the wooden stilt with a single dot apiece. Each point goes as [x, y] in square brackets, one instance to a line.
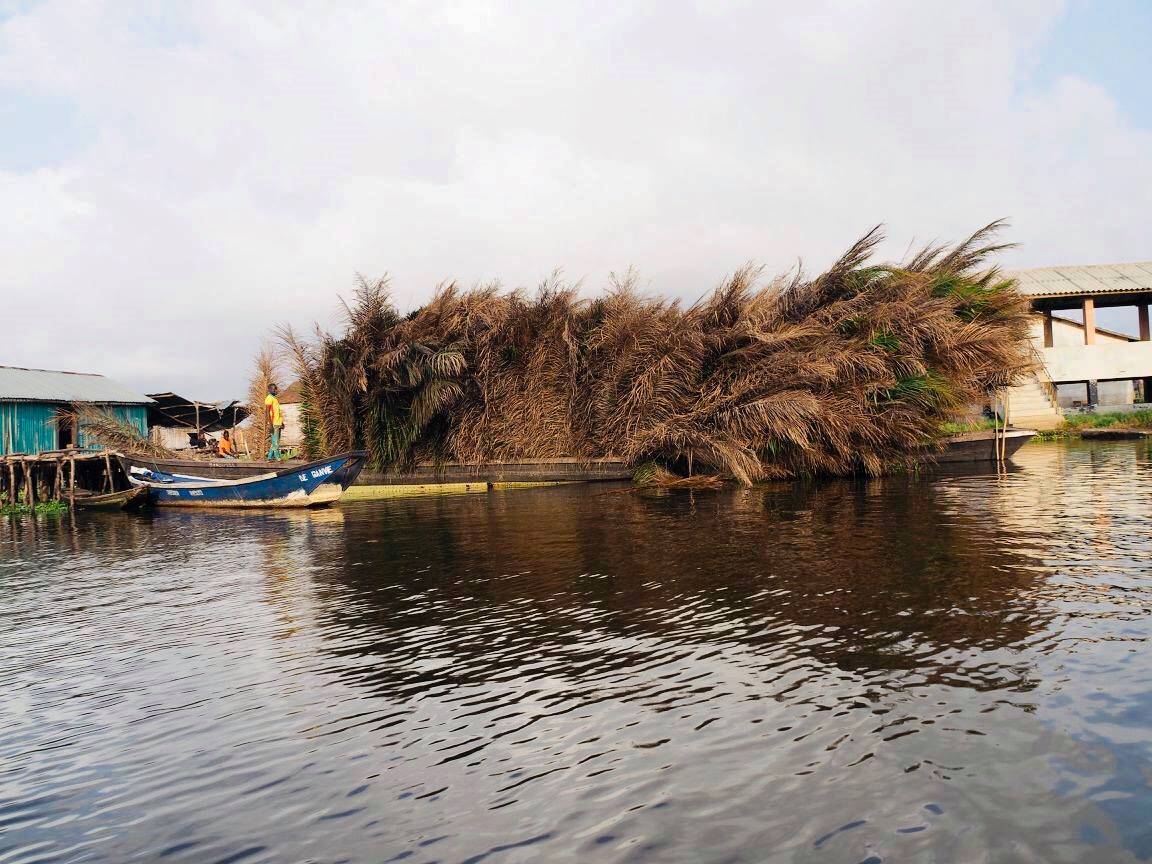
[107, 472]
[72, 481]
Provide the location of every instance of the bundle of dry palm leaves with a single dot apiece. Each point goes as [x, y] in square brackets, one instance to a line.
[849, 372]
[265, 367]
[105, 428]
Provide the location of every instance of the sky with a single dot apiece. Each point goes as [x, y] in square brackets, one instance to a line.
[178, 179]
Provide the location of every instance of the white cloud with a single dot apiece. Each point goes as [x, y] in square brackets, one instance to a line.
[247, 159]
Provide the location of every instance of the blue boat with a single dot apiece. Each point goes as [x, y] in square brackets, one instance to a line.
[314, 484]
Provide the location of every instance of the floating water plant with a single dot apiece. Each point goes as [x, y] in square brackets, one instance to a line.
[43, 508]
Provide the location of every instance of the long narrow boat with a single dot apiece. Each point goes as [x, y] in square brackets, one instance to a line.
[208, 469]
[312, 484]
[125, 499]
[981, 446]
[970, 447]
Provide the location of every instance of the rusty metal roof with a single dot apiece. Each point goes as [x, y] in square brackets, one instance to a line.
[43, 385]
[173, 410]
[1088, 279]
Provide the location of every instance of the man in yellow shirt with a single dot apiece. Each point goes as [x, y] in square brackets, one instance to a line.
[275, 418]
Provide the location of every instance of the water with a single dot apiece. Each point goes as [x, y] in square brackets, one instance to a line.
[932, 670]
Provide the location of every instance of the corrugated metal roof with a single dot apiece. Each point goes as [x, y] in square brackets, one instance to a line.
[41, 385]
[1088, 279]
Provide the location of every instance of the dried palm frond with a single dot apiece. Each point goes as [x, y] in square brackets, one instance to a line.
[852, 371]
[653, 476]
[265, 368]
[103, 427]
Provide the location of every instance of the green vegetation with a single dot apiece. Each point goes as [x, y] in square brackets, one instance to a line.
[1074, 424]
[852, 371]
[984, 424]
[44, 508]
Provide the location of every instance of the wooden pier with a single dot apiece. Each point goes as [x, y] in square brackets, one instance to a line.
[59, 475]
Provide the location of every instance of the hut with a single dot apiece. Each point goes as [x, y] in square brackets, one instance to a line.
[30, 398]
[173, 419]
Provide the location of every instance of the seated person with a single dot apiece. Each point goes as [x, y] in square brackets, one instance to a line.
[225, 446]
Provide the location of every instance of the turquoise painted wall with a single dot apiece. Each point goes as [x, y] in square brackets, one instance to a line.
[133, 415]
[25, 427]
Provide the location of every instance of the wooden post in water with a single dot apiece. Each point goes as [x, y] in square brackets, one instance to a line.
[1004, 427]
[29, 481]
[1000, 431]
[72, 481]
[108, 471]
[58, 482]
[11, 481]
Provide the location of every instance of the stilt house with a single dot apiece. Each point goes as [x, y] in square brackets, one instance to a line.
[30, 398]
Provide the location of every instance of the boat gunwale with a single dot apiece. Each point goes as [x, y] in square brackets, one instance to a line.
[243, 481]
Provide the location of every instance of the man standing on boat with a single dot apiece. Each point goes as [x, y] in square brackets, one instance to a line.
[275, 418]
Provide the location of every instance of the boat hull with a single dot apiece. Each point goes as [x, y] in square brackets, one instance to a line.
[313, 484]
[126, 499]
[981, 446]
[208, 469]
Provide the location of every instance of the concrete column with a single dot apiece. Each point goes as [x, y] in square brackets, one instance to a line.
[1093, 393]
[1089, 321]
[1142, 313]
[1048, 327]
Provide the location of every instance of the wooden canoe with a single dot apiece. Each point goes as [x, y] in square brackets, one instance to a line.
[313, 484]
[125, 499]
[209, 469]
[980, 446]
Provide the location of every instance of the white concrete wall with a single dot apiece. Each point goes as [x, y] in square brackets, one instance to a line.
[1118, 394]
[292, 435]
[1065, 333]
[1103, 360]
[1069, 359]
[172, 437]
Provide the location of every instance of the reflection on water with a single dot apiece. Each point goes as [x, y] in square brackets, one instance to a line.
[908, 669]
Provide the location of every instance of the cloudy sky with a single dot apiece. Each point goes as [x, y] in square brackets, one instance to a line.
[178, 178]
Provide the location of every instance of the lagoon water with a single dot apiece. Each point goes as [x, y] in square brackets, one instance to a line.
[952, 668]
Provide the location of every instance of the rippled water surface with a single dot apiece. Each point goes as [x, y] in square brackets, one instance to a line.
[944, 669]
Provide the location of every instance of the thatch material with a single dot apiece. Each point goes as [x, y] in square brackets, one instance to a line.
[265, 367]
[109, 431]
[849, 372]
[650, 475]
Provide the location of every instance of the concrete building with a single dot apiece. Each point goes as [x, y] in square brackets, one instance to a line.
[1111, 370]
[30, 399]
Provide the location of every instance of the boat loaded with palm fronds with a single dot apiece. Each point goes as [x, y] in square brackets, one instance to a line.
[853, 371]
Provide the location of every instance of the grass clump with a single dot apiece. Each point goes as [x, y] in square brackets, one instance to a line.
[984, 424]
[1074, 424]
[851, 371]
